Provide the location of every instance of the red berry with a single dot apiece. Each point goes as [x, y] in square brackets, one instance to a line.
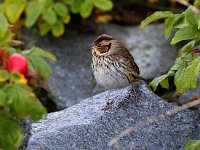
[1, 52]
[17, 62]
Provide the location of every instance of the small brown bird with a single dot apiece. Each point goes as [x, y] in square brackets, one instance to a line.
[113, 65]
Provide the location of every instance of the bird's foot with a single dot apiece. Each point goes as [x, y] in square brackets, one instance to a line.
[108, 106]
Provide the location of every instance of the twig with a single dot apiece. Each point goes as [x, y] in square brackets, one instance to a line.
[10, 26]
[185, 3]
[16, 43]
[150, 120]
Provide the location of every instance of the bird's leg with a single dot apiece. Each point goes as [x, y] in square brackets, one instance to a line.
[134, 92]
[109, 102]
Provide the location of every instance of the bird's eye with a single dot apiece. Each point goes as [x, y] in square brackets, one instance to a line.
[99, 46]
[109, 45]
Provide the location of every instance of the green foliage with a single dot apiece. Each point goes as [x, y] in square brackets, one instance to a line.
[155, 16]
[186, 69]
[10, 133]
[192, 145]
[5, 35]
[185, 33]
[103, 4]
[33, 10]
[17, 98]
[86, 9]
[23, 102]
[50, 15]
[14, 9]
[197, 3]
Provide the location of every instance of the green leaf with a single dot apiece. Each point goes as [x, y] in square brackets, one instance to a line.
[186, 48]
[192, 73]
[180, 80]
[181, 24]
[4, 75]
[37, 110]
[3, 25]
[66, 19]
[3, 100]
[60, 9]
[58, 29]
[14, 10]
[4, 41]
[179, 18]
[49, 16]
[86, 9]
[76, 5]
[192, 145]
[38, 65]
[3, 7]
[197, 38]
[19, 105]
[69, 2]
[44, 28]
[154, 84]
[33, 11]
[10, 134]
[24, 102]
[179, 64]
[191, 17]
[188, 58]
[198, 24]
[169, 22]
[155, 16]
[35, 51]
[185, 33]
[165, 83]
[103, 4]
[197, 3]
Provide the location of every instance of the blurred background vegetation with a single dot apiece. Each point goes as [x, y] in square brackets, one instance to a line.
[56, 15]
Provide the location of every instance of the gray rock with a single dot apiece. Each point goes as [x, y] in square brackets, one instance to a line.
[87, 126]
[72, 78]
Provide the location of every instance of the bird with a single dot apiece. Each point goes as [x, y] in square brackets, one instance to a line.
[113, 66]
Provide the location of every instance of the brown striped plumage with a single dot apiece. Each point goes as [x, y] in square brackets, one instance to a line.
[112, 64]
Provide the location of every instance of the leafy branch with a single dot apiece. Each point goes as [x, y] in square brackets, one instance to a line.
[186, 69]
[19, 76]
[50, 15]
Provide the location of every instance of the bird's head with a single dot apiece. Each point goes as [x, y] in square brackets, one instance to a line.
[105, 45]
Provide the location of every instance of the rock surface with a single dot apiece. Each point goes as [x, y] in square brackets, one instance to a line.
[87, 126]
[72, 78]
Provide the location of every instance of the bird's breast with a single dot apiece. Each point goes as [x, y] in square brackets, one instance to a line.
[109, 73]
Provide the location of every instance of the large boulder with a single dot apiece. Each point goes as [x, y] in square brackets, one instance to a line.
[94, 122]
